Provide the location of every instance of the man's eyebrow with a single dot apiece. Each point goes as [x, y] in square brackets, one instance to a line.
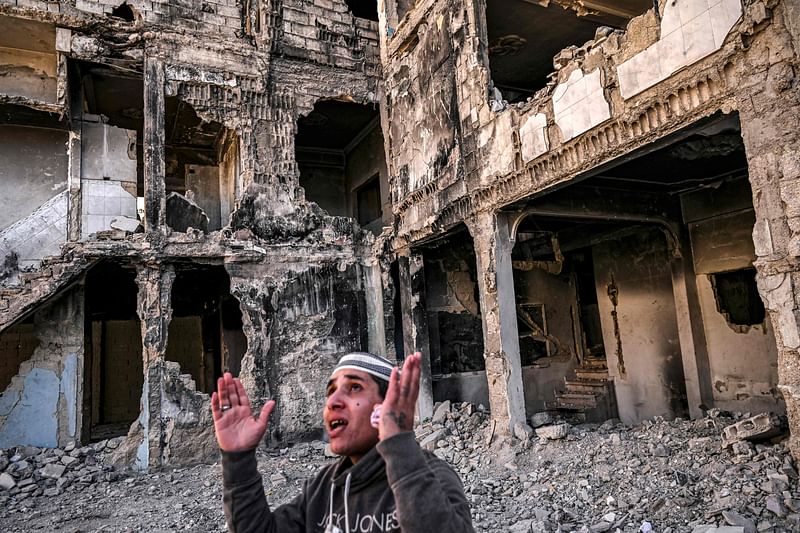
[354, 377]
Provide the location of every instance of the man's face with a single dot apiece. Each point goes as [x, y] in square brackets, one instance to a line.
[351, 397]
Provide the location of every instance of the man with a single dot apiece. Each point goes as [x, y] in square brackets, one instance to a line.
[384, 481]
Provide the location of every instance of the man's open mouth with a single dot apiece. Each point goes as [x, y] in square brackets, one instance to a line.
[338, 423]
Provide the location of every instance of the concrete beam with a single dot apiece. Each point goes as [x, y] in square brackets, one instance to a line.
[499, 315]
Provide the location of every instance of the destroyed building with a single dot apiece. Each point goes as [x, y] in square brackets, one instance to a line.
[565, 205]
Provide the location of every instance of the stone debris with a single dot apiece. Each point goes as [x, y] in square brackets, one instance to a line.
[553, 431]
[597, 478]
[760, 427]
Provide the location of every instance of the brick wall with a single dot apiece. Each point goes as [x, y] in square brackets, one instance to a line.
[326, 32]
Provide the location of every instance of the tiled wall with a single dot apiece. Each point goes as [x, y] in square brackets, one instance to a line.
[39, 234]
[102, 202]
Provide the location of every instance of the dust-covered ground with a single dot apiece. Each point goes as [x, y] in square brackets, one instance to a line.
[661, 476]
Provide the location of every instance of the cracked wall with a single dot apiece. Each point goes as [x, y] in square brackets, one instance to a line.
[40, 406]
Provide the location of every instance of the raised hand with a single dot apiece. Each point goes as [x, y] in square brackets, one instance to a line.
[236, 427]
[399, 406]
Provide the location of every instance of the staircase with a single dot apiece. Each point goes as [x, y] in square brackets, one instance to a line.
[54, 275]
[589, 396]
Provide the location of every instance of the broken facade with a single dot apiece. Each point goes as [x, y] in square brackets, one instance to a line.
[262, 186]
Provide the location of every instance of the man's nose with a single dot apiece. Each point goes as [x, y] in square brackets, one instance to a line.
[334, 400]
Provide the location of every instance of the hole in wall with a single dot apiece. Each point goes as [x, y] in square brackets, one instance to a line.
[523, 37]
[124, 12]
[365, 9]
[205, 333]
[737, 298]
[340, 155]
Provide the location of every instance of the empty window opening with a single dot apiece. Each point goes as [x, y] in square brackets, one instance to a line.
[124, 12]
[17, 345]
[365, 9]
[737, 297]
[452, 305]
[113, 370]
[339, 152]
[205, 333]
[368, 201]
[202, 166]
[523, 38]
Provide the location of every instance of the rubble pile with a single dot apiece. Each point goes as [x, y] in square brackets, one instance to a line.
[660, 476]
[28, 472]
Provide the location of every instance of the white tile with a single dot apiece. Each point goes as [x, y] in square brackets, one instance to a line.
[688, 10]
[111, 205]
[640, 72]
[127, 207]
[92, 187]
[107, 221]
[533, 136]
[698, 38]
[95, 224]
[670, 18]
[671, 54]
[724, 15]
[93, 205]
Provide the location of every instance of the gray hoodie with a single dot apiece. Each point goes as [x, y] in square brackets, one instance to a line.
[396, 487]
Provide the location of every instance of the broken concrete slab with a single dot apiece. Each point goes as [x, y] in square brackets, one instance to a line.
[131, 225]
[183, 214]
[762, 426]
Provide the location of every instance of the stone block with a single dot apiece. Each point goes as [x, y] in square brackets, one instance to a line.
[553, 432]
[6, 482]
[440, 414]
[759, 427]
[541, 419]
[53, 471]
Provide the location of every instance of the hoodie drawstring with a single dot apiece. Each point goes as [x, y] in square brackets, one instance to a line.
[346, 494]
[330, 509]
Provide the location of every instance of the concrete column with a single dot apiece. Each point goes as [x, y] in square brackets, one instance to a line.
[691, 333]
[499, 315]
[376, 326]
[155, 200]
[155, 312]
[74, 146]
[415, 324]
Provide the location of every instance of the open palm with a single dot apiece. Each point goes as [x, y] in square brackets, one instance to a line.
[236, 427]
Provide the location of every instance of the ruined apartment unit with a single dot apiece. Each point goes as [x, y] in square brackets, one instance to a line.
[582, 207]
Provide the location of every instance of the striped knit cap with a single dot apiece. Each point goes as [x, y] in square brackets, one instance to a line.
[372, 364]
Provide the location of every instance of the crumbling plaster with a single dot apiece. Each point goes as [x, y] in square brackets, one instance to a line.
[41, 405]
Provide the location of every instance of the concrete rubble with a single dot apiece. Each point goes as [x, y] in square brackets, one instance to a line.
[579, 212]
[670, 476]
